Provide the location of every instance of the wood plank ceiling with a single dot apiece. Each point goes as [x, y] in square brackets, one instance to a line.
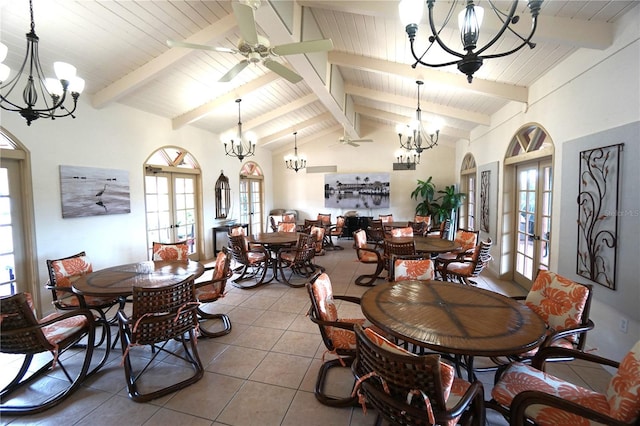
[119, 48]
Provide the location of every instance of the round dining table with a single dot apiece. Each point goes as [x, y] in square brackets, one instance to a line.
[272, 242]
[428, 244]
[118, 281]
[451, 318]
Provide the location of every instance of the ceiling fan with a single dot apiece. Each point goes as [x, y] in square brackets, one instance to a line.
[346, 140]
[256, 48]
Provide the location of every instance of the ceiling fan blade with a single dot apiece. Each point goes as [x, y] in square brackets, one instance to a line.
[234, 71]
[352, 144]
[174, 43]
[282, 71]
[246, 22]
[303, 47]
[361, 140]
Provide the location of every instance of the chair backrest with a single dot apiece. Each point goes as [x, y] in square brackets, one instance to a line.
[360, 238]
[62, 271]
[308, 223]
[560, 302]
[467, 239]
[324, 218]
[287, 227]
[396, 248]
[237, 230]
[481, 257]
[238, 249]
[386, 218]
[412, 267]
[402, 372]
[423, 219]
[305, 249]
[162, 313]
[340, 222]
[419, 228]
[273, 225]
[623, 392]
[170, 251]
[375, 230]
[289, 217]
[407, 231]
[323, 306]
[16, 313]
[318, 234]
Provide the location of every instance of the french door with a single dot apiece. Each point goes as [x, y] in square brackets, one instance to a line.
[251, 203]
[12, 253]
[533, 223]
[171, 210]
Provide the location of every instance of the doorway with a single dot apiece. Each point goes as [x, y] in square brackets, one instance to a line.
[251, 197]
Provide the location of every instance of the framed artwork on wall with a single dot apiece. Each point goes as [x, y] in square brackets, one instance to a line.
[90, 191]
[598, 214]
[356, 190]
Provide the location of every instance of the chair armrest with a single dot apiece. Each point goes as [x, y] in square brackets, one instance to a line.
[564, 333]
[352, 299]
[556, 352]
[524, 399]
[475, 391]
[338, 324]
[69, 314]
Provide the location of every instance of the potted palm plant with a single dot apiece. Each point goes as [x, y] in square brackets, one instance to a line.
[425, 192]
[448, 203]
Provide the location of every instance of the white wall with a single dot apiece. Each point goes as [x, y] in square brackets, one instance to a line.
[305, 191]
[115, 137]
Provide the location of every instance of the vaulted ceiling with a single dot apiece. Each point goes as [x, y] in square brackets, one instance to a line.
[120, 49]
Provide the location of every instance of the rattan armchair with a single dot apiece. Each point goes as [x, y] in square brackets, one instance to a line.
[391, 249]
[163, 321]
[367, 254]
[295, 265]
[412, 267]
[406, 389]
[210, 287]
[463, 268]
[23, 335]
[526, 393]
[337, 335]
[252, 263]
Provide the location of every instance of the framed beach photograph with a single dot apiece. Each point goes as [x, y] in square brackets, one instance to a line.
[90, 191]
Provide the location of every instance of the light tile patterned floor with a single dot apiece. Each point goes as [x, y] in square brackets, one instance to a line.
[263, 372]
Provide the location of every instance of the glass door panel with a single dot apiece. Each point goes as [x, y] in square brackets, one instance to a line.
[251, 203]
[12, 256]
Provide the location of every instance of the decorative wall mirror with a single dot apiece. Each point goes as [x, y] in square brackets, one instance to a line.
[223, 196]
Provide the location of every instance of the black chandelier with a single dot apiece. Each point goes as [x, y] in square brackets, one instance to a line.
[239, 147]
[416, 137]
[294, 162]
[469, 22]
[37, 86]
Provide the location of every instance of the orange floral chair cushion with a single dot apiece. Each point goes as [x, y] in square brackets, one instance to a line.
[386, 218]
[413, 269]
[318, 236]
[286, 227]
[467, 240]
[425, 219]
[323, 294]
[623, 392]
[325, 219]
[451, 385]
[67, 269]
[621, 401]
[60, 330]
[360, 239]
[289, 217]
[557, 300]
[402, 232]
[170, 251]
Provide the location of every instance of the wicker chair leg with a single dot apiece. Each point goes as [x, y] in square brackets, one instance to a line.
[204, 316]
[369, 280]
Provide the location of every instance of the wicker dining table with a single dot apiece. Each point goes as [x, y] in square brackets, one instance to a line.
[272, 242]
[118, 281]
[454, 319]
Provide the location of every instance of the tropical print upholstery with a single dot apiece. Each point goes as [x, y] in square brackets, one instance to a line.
[559, 301]
[323, 295]
[386, 218]
[170, 251]
[325, 219]
[360, 239]
[67, 269]
[289, 217]
[421, 219]
[215, 289]
[621, 401]
[623, 392]
[318, 235]
[402, 232]
[286, 227]
[467, 239]
[59, 330]
[413, 269]
[451, 386]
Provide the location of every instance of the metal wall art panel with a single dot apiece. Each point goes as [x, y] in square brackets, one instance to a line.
[598, 214]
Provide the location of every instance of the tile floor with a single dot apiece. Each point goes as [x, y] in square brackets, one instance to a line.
[263, 372]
